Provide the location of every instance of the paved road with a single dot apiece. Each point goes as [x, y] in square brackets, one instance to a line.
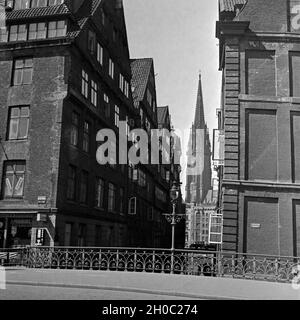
[29, 292]
[76, 284]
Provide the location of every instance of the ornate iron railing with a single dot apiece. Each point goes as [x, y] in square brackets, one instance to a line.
[185, 262]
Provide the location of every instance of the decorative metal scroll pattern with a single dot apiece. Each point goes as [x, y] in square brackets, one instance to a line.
[184, 262]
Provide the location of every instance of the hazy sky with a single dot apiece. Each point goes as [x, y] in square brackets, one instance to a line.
[180, 36]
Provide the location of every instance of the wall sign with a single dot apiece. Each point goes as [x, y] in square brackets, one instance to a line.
[39, 239]
[294, 15]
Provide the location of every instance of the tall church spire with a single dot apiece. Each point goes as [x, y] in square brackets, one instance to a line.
[199, 121]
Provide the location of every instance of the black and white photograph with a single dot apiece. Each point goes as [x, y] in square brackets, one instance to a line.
[149, 155]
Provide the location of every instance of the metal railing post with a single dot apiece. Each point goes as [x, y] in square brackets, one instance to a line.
[219, 264]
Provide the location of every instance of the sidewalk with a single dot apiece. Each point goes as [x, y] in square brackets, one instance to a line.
[190, 287]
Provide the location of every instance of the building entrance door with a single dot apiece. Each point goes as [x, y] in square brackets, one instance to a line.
[261, 233]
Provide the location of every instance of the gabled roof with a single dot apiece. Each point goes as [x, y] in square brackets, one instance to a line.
[230, 5]
[37, 12]
[87, 9]
[162, 115]
[140, 69]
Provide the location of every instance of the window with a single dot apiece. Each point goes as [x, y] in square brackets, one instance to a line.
[57, 29]
[121, 200]
[92, 42]
[262, 157]
[99, 53]
[32, 31]
[55, 2]
[121, 82]
[294, 74]
[21, 4]
[295, 139]
[71, 187]
[13, 179]
[84, 187]
[105, 98]
[94, 93]
[85, 84]
[126, 89]
[142, 179]
[22, 73]
[38, 3]
[260, 70]
[37, 31]
[86, 136]
[106, 106]
[127, 126]
[3, 32]
[75, 129]
[132, 204]
[99, 193]
[167, 175]
[117, 116]
[18, 32]
[111, 197]
[18, 123]
[111, 69]
[124, 85]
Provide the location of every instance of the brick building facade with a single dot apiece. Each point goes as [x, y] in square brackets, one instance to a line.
[260, 191]
[65, 73]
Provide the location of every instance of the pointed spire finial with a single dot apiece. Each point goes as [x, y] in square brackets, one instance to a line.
[199, 121]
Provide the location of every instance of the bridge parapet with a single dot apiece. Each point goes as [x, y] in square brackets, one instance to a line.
[184, 262]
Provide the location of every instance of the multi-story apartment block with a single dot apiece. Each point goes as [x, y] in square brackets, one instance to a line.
[65, 74]
[148, 225]
[260, 115]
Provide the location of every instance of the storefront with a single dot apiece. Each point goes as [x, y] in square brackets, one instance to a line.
[15, 231]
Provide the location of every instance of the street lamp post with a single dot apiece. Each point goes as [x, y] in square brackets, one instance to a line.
[173, 218]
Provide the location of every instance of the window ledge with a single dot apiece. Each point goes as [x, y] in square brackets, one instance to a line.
[264, 184]
[255, 98]
[12, 199]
